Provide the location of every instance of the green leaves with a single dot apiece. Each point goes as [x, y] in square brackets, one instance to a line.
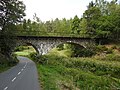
[11, 13]
[75, 25]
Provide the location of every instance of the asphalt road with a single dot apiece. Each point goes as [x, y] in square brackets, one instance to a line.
[23, 76]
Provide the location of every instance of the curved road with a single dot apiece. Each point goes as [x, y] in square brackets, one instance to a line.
[23, 76]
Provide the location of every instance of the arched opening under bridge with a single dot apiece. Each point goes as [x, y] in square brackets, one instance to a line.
[25, 49]
[69, 49]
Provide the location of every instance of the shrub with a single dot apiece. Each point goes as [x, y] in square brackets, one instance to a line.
[111, 57]
[8, 61]
[42, 59]
[33, 56]
[114, 47]
[60, 47]
[118, 48]
[103, 49]
[20, 48]
[83, 53]
[109, 51]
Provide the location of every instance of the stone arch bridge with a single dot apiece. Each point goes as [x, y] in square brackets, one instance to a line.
[43, 44]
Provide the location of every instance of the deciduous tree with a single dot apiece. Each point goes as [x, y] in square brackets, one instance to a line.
[11, 13]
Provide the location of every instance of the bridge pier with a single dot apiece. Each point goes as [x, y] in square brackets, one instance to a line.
[45, 48]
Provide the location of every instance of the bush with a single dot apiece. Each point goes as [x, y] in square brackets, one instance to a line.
[60, 47]
[83, 53]
[118, 48]
[103, 49]
[8, 61]
[111, 57]
[109, 51]
[42, 59]
[20, 48]
[114, 47]
[33, 56]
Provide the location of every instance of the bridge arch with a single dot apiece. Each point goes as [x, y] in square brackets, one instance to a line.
[71, 43]
[36, 49]
[44, 44]
[44, 48]
[26, 44]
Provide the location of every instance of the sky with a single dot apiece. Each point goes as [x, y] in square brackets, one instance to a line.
[52, 9]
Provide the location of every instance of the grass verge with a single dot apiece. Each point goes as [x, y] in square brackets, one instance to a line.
[61, 73]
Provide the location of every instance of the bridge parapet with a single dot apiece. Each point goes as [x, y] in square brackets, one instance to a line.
[50, 34]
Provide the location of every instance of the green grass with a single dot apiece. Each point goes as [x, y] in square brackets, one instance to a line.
[22, 53]
[59, 72]
[26, 51]
[65, 53]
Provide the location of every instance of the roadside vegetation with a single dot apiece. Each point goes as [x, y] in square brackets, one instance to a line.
[59, 70]
[6, 64]
[11, 13]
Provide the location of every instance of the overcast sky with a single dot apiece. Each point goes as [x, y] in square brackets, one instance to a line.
[51, 9]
